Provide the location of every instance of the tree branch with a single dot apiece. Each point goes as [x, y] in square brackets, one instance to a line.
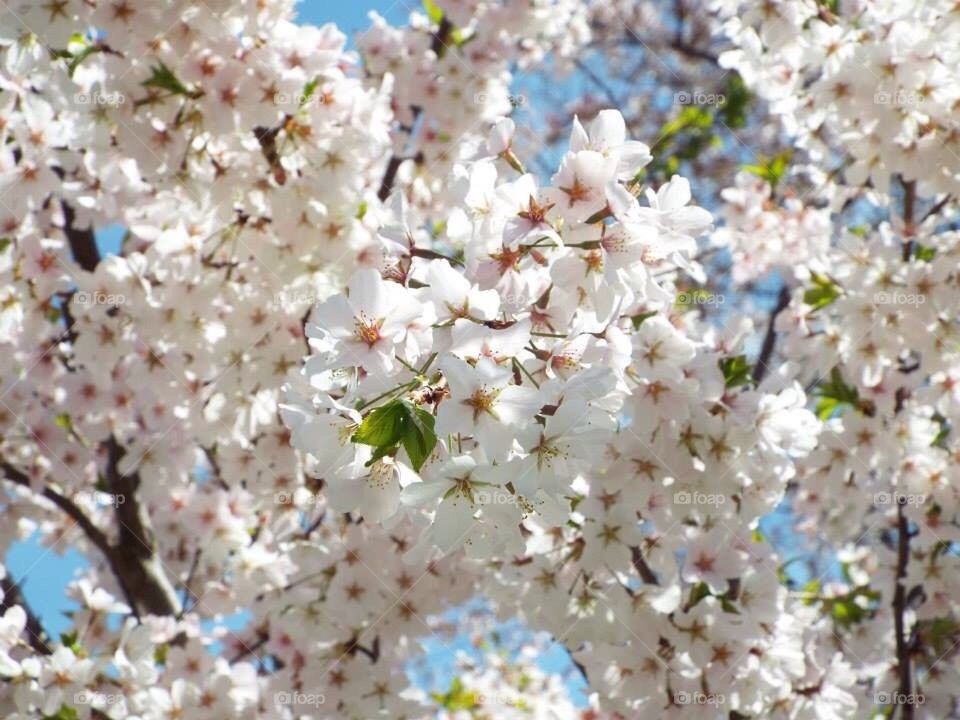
[437, 45]
[36, 635]
[133, 559]
[83, 243]
[909, 203]
[135, 554]
[770, 339]
[93, 533]
[899, 609]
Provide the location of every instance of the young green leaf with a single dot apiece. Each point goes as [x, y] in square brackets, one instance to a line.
[419, 438]
[736, 370]
[833, 394]
[383, 426]
[162, 77]
[823, 292]
[399, 422]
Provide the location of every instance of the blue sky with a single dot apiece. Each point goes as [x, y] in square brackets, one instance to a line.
[351, 15]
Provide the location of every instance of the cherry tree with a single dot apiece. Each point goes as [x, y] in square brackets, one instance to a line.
[373, 346]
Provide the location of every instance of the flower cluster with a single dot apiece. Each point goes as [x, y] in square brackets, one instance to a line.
[520, 385]
[876, 328]
[241, 157]
[875, 79]
[763, 234]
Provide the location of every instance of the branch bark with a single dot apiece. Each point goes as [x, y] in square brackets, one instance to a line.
[437, 45]
[770, 339]
[36, 635]
[899, 609]
[133, 558]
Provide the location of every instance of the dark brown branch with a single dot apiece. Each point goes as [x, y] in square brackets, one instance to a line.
[438, 45]
[640, 565]
[83, 243]
[389, 177]
[909, 204]
[899, 609]
[134, 557]
[938, 207]
[93, 533]
[770, 339]
[36, 635]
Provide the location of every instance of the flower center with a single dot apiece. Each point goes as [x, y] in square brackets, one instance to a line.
[367, 330]
[482, 401]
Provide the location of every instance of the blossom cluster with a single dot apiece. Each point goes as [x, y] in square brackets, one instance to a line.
[878, 329]
[763, 234]
[875, 78]
[520, 385]
[241, 156]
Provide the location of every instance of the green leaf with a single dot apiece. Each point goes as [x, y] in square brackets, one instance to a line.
[433, 11]
[160, 653]
[811, 588]
[162, 77]
[457, 697]
[637, 320]
[834, 394]
[308, 91]
[941, 437]
[728, 606]
[697, 593]
[733, 112]
[846, 611]
[383, 426]
[940, 634]
[823, 292]
[64, 713]
[924, 252]
[399, 422]
[70, 640]
[736, 370]
[381, 452]
[420, 438]
[772, 168]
